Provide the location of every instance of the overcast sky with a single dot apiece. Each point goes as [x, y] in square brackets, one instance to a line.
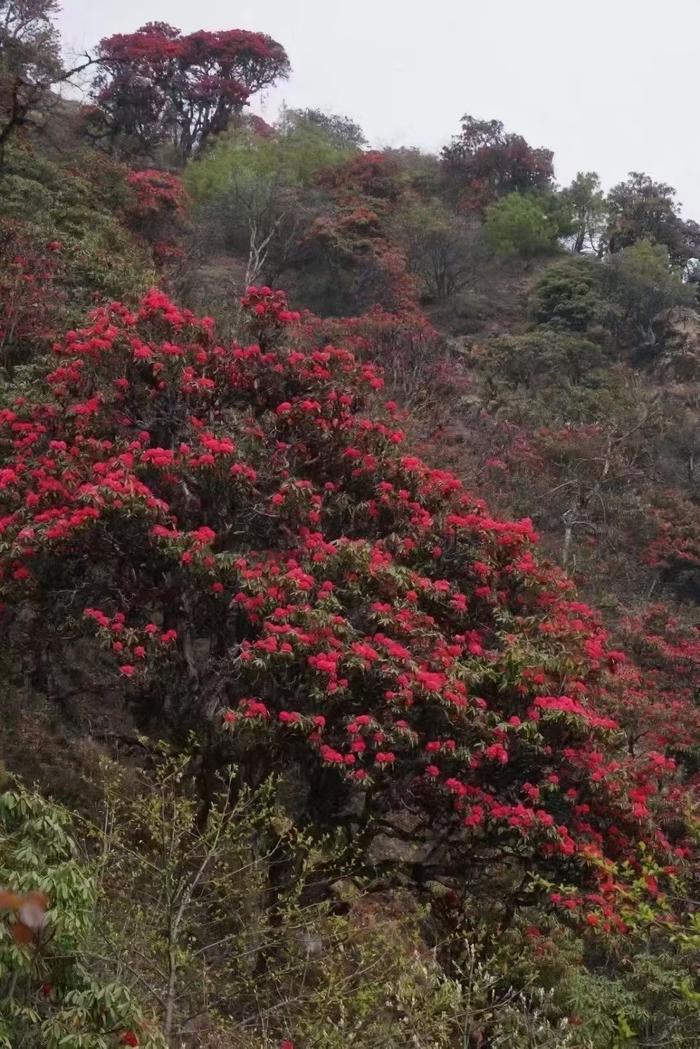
[609, 85]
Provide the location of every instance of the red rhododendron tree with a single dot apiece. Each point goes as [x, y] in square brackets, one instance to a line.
[157, 86]
[239, 538]
[484, 162]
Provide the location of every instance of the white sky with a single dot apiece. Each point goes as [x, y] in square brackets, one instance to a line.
[609, 85]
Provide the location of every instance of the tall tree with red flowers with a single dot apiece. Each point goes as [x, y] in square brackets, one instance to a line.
[157, 86]
[485, 162]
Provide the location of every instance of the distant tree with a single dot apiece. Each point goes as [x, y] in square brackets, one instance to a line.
[643, 284]
[422, 172]
[30, 59]
[340, 131]
[524, 224]
[157, 87]
[484, 162]
[588, 210]
[258, 193]
[641, 209]
[442, 249]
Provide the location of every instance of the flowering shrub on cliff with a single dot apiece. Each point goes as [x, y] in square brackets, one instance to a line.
[259, 559]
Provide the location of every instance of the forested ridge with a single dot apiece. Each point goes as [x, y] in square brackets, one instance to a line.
[349, 572]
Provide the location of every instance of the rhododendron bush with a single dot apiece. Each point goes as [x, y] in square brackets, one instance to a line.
[156, 211]
[252, 553]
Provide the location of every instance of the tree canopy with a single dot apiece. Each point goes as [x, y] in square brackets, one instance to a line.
[157, 86]
[30, 59]
[484, 162]
[642, 209]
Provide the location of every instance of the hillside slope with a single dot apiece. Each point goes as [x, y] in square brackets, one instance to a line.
[351, 665]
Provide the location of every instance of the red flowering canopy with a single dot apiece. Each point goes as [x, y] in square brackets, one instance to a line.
[156, 85]
[484, 162]
[239, 535]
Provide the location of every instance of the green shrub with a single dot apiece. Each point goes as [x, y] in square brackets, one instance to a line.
[264, 932]
[568, 296]
[543, 357]
[80, 209]
[55, 993]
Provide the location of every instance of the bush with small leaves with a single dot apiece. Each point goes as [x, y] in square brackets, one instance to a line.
[55, 994]
[568, 297]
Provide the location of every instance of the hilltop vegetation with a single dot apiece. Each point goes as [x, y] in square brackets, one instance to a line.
[351, 663]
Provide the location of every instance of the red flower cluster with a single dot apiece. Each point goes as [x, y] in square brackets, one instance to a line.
[156, 192]
[269, 309]
[155, 212]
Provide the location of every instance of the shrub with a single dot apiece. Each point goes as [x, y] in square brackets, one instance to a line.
[543, 359]
[55, 996]
[229, 930]
[675, 549]
[568, 296]
[442, 249]
[642, 284]
[64, 246]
